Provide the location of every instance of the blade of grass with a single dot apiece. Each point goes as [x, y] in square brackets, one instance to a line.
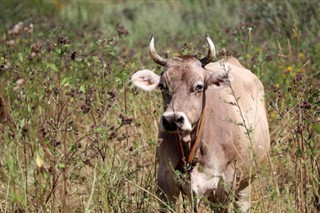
[153, 195]
[87, 210]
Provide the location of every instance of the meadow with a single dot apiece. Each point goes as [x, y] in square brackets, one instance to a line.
[77, 136]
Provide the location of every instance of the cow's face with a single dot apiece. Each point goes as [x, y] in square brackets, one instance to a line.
[183, 87]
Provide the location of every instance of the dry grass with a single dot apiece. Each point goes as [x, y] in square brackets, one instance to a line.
[77, 137]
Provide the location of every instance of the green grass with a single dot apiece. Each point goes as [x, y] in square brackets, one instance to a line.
[76, 136]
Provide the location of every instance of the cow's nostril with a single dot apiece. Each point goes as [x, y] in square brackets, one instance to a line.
[180, 120]
[165, 121]
[168, 123]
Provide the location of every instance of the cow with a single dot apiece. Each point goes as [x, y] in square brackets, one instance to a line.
[213, 133]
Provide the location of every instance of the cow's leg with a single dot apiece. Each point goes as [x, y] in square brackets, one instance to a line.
[185, 199]
[168, 190]
[196, 202]
[219, 202]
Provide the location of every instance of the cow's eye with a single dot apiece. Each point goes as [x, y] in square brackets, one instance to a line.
[198, 88]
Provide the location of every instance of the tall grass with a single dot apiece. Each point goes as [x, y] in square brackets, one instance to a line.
[77, 137]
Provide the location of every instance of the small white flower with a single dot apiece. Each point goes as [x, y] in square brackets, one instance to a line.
[20, 82]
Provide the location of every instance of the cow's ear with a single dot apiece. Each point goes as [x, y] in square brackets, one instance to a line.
[145, 79]
[219, 80]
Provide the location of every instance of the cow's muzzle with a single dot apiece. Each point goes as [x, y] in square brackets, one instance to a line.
[175, 122]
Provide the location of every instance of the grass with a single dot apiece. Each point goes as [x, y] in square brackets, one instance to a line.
[77, 137]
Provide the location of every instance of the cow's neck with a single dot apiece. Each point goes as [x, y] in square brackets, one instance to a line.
[189, 143]
[196, 134]
[196, 139]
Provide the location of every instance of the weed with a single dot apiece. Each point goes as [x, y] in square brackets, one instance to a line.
[76, 136]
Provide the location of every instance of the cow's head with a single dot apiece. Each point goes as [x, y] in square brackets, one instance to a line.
[183, 86]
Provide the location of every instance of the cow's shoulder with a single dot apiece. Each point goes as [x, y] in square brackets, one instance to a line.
[243, 79]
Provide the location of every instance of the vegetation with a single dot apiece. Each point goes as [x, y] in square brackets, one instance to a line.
[77, 137]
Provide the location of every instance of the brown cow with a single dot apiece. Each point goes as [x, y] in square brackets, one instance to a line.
[213, 133]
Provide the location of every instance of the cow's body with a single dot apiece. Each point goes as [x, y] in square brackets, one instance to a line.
[225, 146]
[234, 133]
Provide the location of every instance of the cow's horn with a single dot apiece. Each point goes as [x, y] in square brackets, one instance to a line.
[154, 55]
[211, 52]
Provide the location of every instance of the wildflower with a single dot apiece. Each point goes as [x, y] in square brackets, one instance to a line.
[63, 40]
[19, 84]
[28, 29]
[74, 55]
[58, 4]
[296, 34]
[259, 49]
[289, 69]
[301, 55]
[11, 43]
[16, 29]
[268, 58]
[273, 115]
[305, 105]
[122, 31]
[39, 162]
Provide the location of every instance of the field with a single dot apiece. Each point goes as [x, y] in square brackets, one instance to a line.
[77, 136]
